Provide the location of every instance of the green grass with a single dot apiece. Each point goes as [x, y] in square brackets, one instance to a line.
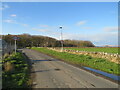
[96, 63]
[18, 76]
[97, 49]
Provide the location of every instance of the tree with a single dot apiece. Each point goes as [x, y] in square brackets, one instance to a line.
[27, 40]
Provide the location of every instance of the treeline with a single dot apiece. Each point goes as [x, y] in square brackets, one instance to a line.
[78, 43]
[26, 40]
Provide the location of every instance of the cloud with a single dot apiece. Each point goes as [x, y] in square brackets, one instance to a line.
[43, 25]
[48, 31]
[15, 22]
[25, 25]
[81, 23]
[9, 21]
[13, 15]
[93, 37]
[87, 28]
[4, 6]
[41, 30]
[1, 8]
[110, 29]
[97, 39]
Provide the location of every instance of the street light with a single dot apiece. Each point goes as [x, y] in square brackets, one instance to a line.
[61, 39]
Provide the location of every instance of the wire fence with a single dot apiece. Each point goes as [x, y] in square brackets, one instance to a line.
[0, 64]
[5, 48]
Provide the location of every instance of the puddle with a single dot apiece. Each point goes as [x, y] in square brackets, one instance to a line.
[57, 69]
[43, 60]
[112, 76]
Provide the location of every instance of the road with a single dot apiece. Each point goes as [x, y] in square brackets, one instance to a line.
[52, 73]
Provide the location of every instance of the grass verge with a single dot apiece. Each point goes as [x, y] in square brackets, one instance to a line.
[84, 60]
[15, 72]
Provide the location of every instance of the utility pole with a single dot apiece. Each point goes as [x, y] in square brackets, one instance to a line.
[61, 39]
[15, 46]
[15, 38]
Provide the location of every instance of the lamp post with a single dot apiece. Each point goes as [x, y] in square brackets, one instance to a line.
[61, 39]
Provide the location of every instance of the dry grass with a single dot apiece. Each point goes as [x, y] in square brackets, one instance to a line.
[8, 66]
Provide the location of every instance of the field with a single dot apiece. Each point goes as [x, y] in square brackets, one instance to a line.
[15, 72]
[83, 60]
[97, 49]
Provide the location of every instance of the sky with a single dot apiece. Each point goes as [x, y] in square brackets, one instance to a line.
[93, 21]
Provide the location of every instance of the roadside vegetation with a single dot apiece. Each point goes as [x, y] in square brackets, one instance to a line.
[15, 72]
[83, 60]
[97, 49]
[27, 40]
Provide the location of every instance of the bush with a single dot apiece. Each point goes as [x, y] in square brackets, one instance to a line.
[15, 73]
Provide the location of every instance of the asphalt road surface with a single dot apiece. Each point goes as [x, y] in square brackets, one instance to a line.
[52, 73]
